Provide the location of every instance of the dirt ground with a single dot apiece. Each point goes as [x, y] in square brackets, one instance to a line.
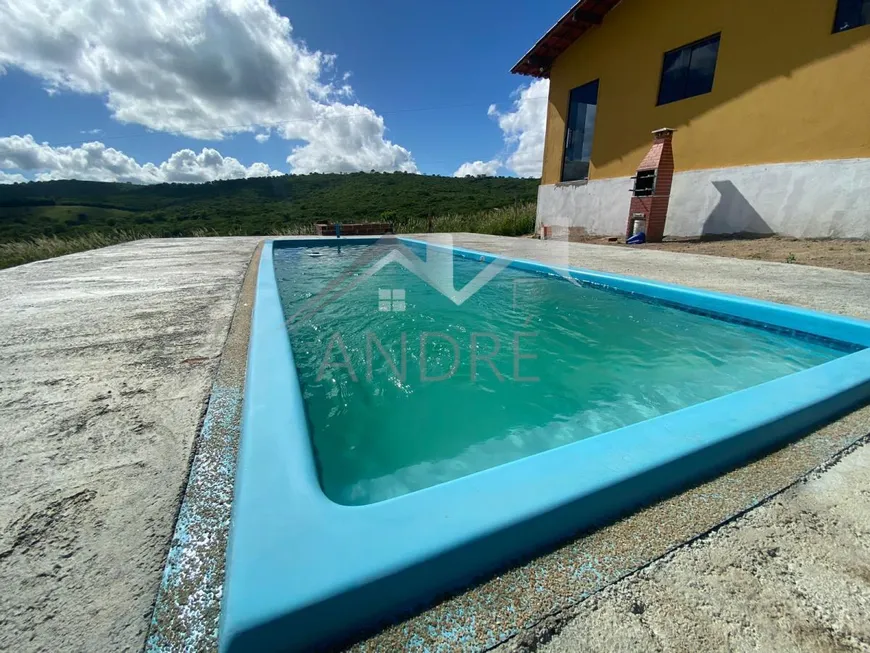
[841, 254]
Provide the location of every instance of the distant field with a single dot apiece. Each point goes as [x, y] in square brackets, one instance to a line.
[515, 220]
[73, 212]
[55, 219]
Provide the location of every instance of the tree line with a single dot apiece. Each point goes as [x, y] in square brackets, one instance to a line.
[247, 206]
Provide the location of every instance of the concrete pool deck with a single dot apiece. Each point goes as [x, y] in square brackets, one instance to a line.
[108, 359]
[106, 362]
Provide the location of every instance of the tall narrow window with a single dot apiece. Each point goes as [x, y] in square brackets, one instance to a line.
[582, 107]
[851, 14]
[689, 71]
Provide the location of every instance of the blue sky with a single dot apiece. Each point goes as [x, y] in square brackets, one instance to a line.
[187, 85]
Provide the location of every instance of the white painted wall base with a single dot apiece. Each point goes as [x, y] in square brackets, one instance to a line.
[812, 199]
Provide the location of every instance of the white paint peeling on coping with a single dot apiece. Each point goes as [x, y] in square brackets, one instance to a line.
[810, 199]
[188, 603]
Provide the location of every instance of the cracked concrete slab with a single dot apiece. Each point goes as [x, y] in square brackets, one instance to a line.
[791, 575]
[106, 362]
[187, 610]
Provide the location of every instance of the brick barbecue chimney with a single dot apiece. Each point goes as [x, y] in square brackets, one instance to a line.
[652, 189]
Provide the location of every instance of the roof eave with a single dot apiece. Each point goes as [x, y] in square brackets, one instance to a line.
[584, 15]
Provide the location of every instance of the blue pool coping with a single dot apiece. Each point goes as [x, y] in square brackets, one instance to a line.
[303, 572]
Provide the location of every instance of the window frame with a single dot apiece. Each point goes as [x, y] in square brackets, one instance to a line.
[837, 10]
[597, 82]
[717, 37]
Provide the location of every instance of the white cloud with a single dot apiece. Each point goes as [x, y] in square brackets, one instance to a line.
[94, 131]
[523, 128]
[475, 168]
[202, 68]
[262, 137]
[11, 178]
[96, 162]
[349, 138]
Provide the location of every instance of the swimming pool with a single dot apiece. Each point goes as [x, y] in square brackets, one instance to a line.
[416, 444]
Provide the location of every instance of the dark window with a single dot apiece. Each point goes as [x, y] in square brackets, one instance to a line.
[582, 107]
[688, 71]
[851, 14]
[644, 183]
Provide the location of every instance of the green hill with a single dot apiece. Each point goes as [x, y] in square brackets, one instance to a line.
[247, 206]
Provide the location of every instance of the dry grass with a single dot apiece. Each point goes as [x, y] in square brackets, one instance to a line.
[294, 230]
[515, 220]
[37, 249]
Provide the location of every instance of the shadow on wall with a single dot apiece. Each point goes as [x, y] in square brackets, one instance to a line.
[733, 214]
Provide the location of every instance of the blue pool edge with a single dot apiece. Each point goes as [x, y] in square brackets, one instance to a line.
[303, 571]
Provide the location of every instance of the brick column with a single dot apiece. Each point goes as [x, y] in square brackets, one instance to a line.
[655, 225]
[655, 207]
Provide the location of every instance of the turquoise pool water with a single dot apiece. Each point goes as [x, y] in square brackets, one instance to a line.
[526, 364]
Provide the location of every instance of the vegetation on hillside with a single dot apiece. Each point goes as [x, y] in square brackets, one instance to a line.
[72, 209]
[515, 220]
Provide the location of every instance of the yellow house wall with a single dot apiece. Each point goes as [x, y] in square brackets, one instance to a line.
[785, 88]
